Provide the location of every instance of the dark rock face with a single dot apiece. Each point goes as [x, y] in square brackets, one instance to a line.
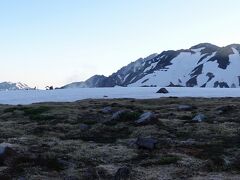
[210, 76]
[166, 60]
[95, 81]
[221, 84]
[163, 91]
[207, 48]
[222, 57]
[14, 86]
[146, 118]
[146, 143]
[175, 85]
[193, 81]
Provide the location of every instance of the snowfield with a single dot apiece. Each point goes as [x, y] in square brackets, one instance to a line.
[70, 95]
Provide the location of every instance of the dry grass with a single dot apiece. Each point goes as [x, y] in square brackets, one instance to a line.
[51, 141]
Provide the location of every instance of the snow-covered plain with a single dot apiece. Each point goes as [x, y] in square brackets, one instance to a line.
[70, 95]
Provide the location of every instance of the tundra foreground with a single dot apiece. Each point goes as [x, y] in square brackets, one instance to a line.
[166, 138]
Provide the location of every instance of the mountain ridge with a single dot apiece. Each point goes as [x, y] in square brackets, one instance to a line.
[202, 65]
[6, 85]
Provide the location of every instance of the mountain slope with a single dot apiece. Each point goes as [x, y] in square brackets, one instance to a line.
[13, 86]
[94, 81]
[203, 65]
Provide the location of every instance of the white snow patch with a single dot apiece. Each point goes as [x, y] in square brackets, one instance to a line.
[70, 95]
[126, 77]
[181, 68]
[229, 75]
[153, 65]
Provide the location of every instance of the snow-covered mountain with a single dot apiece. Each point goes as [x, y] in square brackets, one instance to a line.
[203, 65]
[13, 86]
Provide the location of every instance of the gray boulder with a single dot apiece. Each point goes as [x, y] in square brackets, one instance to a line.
[146, 143]
[163, 91]
[146, 118]
[199, 117]
[123, 173]
[4, 147]
[115, 117]
[118, 114]
[89, 173]
[7, 153]
[107, 109]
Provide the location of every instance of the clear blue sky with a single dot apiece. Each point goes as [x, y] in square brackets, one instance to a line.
[54, 42]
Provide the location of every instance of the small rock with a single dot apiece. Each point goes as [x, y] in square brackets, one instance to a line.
[185, 107]
[225, 109]
[146, 118]
[199, 117]
[84, 127]
[118, 114]
[6, 153]
[107, 171]
[146, 143]
[163, 91]
[4, 148]
[71, 178]
[90, 174]
[115, 117]
[107, 109]
[21, 178]
[123, 173]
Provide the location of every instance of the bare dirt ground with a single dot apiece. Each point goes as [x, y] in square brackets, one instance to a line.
[122, 139]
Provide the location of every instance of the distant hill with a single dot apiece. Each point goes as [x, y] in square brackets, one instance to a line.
[13, 86]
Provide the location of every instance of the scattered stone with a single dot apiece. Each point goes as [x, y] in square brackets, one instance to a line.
[115, 117]
[118, 114]
[146, 143]
[173, 97]
[224, 109]
[71, 178]
[163, 91]
[123, 173]
[21, 178]
[146, 118]
[107, 109]
[199, 117]
[107, 171]
[90, 174]
[6, 152]
[84, 127]
[4, 147]
[185, 107]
